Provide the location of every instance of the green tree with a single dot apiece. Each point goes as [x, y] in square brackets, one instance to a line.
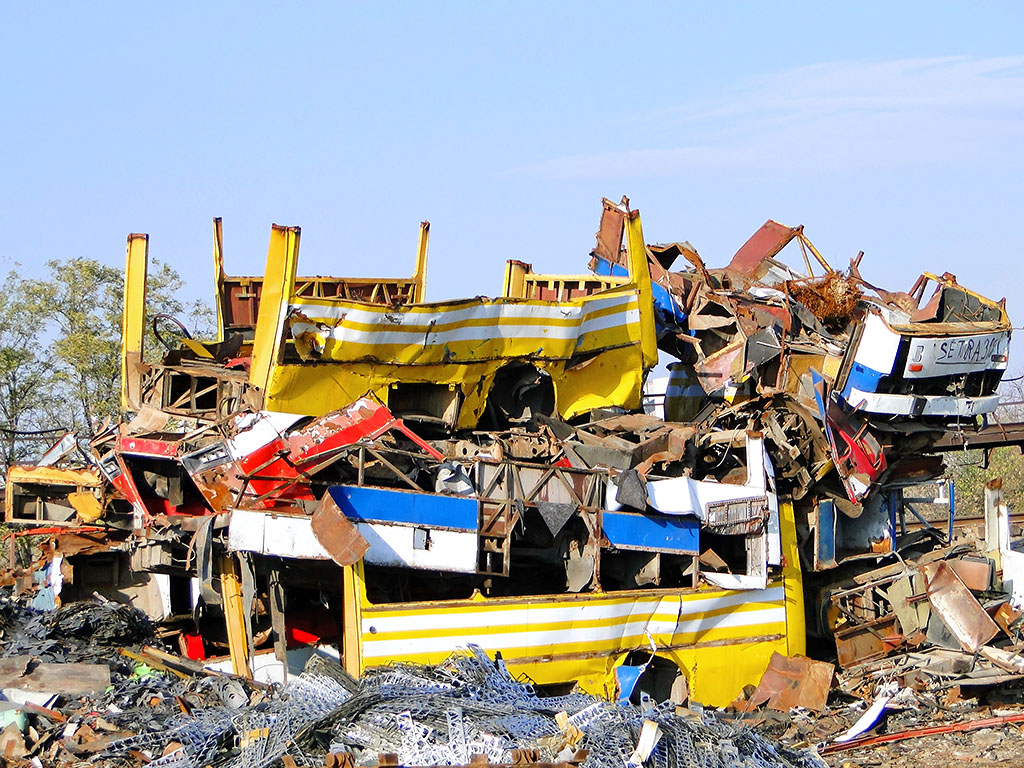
[24, 376]
[79, 300]
[970, 472]
[79, 303]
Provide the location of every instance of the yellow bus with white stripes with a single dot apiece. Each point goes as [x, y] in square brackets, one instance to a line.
[314, 345]
[442, 361]
[652, 610]
[715, 640]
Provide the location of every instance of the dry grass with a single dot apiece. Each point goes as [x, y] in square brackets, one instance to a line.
[831, 299]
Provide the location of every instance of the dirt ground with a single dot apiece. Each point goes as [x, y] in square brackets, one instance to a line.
[1002, 746]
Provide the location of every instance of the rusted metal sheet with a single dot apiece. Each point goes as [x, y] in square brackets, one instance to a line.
[792, 681]
[721, 369]
[336, 533]
[609, 233]
[977, 573]
[958, 608]
[766, 243]
[24, 673]
[867, 641]
[211, 470]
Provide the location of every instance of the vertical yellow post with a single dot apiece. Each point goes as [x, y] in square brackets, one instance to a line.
[419, 277]
[793, 586]
[640, 274]
[218, 275]
[352, 649]
[133, 321]
[278, 287]
[515, 279]
[235, 617]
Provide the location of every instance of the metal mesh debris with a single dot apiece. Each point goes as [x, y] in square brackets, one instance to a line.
[83, 631]
[448, 714]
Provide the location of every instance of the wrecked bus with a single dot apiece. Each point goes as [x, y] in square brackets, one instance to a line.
[852, 384]
[297, 433]
[885, 354]
[940, 360]
[462, 364]
[571, 574]
[319, 343]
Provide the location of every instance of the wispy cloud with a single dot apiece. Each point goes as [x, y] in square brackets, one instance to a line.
[829, 117]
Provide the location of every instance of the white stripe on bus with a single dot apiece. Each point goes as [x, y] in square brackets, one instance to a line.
[554, 614]
[346, 334]
[424, 315]
[527, 638]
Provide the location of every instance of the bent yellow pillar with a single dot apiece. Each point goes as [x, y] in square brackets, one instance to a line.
[133, 321]
[235, 617]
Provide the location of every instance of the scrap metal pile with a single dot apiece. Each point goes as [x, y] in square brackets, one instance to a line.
[156, 709]
[345, 462]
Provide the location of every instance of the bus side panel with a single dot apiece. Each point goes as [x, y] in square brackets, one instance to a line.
[722, 640]
[582, 637]
[611, 377]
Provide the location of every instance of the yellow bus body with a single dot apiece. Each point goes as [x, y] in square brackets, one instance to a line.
[721, 640]
[313, 355]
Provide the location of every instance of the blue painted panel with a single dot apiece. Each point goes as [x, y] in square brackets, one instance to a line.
[626, 676]
[405, 507]
[667, 312]
[676, 534]
[826, 543]
[604, 268]
[863, 378]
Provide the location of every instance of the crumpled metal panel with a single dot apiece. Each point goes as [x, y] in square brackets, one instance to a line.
[771, 238]
[792, 681]
[959, 610]
[336, 533]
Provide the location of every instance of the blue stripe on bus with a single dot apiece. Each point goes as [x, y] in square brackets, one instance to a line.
[862, 378]
[657, 533]
[387, 505]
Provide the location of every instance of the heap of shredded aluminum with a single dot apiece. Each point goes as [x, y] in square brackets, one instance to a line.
[443, 715]
[240, 735]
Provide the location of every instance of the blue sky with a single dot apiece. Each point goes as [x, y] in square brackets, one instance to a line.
[893, 128]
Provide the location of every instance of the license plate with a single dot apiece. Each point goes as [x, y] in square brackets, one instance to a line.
[956, 354]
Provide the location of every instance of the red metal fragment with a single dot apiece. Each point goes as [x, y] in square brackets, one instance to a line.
[142, 446]
[913, 733]
[792, 681]
[771, 238]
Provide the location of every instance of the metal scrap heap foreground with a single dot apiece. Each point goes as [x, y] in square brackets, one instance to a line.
[348, 470]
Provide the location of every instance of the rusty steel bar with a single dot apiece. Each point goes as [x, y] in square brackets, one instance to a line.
[914, 733]
[53, 529]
